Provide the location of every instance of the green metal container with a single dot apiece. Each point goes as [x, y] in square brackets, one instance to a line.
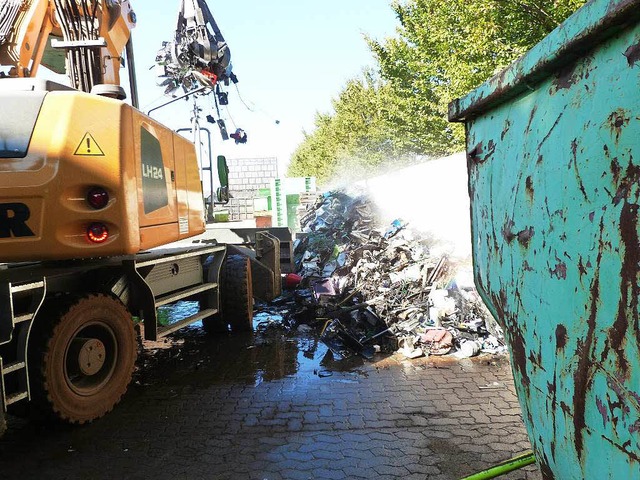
[293, 202]
[553, 148]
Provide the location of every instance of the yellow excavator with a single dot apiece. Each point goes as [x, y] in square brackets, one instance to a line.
[88, 186]
[84, 174]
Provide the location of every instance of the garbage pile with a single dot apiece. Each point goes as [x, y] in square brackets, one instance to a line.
[378, 288]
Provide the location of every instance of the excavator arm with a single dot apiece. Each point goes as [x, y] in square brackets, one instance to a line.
[24, 31]
[93, 34]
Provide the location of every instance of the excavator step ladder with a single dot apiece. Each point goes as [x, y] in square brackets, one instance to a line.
[166, 280]
[21, 303]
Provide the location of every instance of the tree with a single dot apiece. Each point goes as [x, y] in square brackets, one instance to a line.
[356, 136]
[446, 48]
[443, 50]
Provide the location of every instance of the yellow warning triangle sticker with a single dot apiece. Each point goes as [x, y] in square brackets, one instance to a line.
[89, 147]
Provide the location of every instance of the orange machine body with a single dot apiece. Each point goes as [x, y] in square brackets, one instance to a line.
[59, 145]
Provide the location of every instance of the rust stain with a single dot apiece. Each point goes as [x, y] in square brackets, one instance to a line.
[615, 169]
[617, 121]
[491, 150]
[553, 393]
[529, 187]
[519, 354]
[524, 236]
[505, 129]
[623, 448]
[582, 376]
[581, 267]
[560, 270]
[574, 161]
[553, 127]
[629, 288]
[633, 54]
[507, 231]
[561, 337]
[566, 77]
[475, 154]
[582, 382]
[545, 469]
[531, 115]
[630, 180]
[625, 400]
[603, 411]
[496, 246]
[551, 388]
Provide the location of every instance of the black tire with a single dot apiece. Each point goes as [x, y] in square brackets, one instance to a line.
[82, 356]
[237, 293]
[236, 298]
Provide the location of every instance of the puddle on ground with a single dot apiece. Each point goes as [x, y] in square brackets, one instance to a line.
[277, 348]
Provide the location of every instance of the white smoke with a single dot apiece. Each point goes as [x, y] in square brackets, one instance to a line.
[432, 197]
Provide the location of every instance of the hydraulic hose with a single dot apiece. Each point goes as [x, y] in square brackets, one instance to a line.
[503, 468]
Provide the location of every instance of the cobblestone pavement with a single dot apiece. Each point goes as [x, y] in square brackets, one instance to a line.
[278, 407]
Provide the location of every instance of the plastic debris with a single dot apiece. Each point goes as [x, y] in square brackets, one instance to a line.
[292, 280]
[468, 348]
[376, 283]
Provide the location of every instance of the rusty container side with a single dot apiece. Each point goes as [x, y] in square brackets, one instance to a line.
[553, 149]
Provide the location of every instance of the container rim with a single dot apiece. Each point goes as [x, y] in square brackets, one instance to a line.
[580, 33]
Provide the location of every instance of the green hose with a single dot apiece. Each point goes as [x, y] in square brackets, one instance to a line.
[515, 463]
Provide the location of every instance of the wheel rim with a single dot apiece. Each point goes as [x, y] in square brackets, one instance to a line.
[90, 358]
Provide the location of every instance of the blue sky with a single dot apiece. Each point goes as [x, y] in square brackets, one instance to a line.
[291, 56]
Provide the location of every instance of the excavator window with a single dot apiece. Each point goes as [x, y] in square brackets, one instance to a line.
[54, 58]
[154, 186]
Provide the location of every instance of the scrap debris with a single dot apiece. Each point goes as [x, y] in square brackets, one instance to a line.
[198, 55]
[372, 287]
[198, 61]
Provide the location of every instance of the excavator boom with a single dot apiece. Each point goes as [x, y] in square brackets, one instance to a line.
[25, 27]
[90, 34]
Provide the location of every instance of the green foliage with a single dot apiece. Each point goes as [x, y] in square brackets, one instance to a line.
[357, 136]
[443, 49]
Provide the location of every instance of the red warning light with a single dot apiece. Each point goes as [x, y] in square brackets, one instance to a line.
[98, 198]
[97, 232]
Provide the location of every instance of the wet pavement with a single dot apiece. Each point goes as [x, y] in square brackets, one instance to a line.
[273, 405]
